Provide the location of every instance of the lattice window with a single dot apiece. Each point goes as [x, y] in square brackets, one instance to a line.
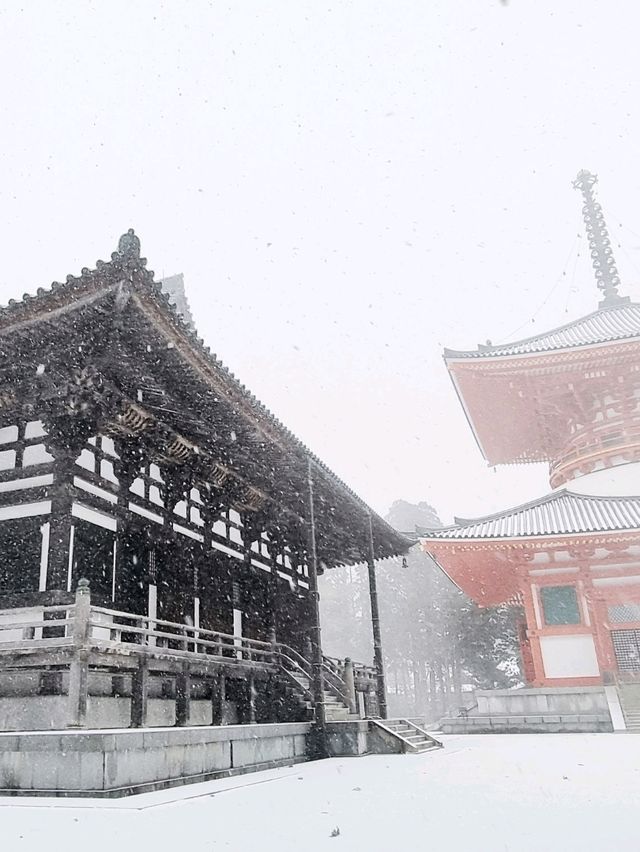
[624, 613]
[626, 644]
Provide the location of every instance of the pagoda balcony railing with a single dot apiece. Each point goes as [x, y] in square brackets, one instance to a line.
[77, 637]
[584, 454]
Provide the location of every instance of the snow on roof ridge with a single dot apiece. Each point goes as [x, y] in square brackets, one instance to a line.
[571, 334]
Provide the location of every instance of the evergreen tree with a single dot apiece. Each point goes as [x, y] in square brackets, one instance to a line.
[438, 644]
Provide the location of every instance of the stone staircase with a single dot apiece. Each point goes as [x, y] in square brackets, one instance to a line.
[335, 709]
[630, 702]
[414, 739]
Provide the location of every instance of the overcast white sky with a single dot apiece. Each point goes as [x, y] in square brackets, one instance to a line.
[348, 187]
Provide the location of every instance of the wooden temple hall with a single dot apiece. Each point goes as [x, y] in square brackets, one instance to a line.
[161, 532]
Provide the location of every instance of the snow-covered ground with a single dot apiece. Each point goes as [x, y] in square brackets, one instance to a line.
[479, 794]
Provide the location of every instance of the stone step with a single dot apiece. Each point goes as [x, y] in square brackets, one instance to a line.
[412, 737]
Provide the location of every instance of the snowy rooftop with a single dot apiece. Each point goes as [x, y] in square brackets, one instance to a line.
[617, 322]
[560, 513]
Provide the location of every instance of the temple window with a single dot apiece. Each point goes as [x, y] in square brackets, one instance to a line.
[560, 605]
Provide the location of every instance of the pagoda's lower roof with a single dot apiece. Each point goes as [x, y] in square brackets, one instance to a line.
[620, 321]
[559, 513]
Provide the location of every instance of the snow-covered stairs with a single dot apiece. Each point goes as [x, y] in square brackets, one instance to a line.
[413, 738]
[630, 702]
[335, 709]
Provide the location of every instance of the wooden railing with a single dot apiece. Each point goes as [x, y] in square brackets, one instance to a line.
[593, 447]
[80, 634]
[159, 635]
[345, 678]
[31, 627]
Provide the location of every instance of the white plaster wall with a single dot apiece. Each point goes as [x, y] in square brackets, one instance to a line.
[569, 656]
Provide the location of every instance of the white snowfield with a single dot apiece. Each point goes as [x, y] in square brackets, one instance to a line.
[479, 794]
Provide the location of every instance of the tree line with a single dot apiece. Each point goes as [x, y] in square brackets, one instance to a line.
[438, 644]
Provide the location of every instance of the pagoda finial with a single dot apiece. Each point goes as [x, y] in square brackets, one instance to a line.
[602, 257]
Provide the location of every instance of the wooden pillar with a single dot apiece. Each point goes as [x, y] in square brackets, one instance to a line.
[218, 697]
[140, 693]
[67, 436]
[183, 696]
[378, 660]
[319, 738]
[273, 594]
[60, 524]
[79, 667]
[126, 468]
[252, 699]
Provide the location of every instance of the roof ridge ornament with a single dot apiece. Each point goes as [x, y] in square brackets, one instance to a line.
[129, 245]
[602, 259]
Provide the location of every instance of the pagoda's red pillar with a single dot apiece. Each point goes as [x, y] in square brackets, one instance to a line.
[533, 636]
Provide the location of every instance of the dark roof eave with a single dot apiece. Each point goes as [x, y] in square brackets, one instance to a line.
[94, 282]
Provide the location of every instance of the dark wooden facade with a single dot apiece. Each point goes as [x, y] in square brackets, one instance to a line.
[129, 455]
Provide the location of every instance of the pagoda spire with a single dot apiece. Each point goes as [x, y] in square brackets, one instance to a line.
[602, 257]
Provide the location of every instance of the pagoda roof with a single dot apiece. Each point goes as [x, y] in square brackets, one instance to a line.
[617, 322]
[126, 271]
[559, 513]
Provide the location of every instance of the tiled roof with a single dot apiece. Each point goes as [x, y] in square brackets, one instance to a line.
[618, 322]
[133, 267]
[560, 513]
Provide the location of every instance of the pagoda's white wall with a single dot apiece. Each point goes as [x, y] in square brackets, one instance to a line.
[569, 656]
[619, 481]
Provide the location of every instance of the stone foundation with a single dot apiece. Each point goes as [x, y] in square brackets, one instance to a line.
[51, 712]
[117, 763]
[579, 709]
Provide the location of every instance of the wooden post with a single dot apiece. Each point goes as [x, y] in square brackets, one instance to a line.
[79, 668]
[273, 594]
[350, 683]
[60, 552]
[183, 696]
[65, 443]
[252, 699]
[140, 693]
[218, 697]
[319, 738]
[375, 624]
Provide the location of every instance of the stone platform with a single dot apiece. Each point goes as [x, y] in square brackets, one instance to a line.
[551, 710]
[121, 762]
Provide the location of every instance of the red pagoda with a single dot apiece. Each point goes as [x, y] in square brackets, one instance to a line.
[571, 559]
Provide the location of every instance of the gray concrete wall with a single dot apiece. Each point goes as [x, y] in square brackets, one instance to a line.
[555, 700]
[583, 709]
[548, 724]
[126, 761]
[354, 738]
[347, 739]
